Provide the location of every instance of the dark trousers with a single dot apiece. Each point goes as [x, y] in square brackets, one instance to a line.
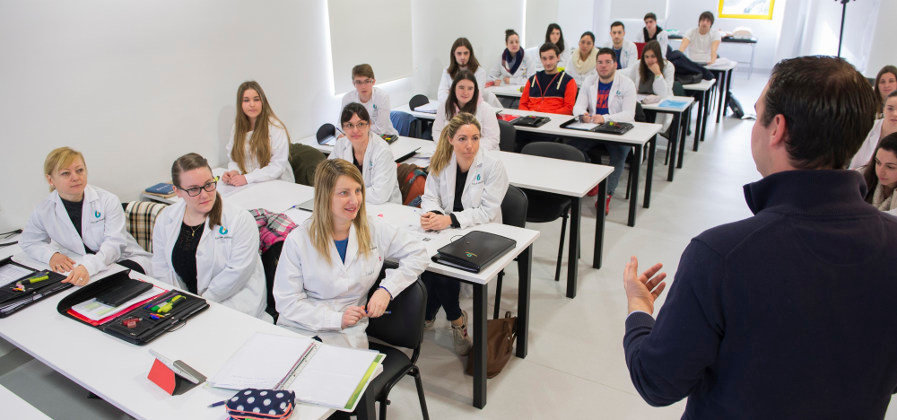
[442, 292]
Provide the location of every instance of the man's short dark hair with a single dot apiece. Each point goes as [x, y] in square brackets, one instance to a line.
[828, 109]
[706, 15]
[650, 15]
[606, 50]
[617, 23]
[548, 46]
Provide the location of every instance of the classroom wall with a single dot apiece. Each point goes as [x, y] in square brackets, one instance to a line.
[881, 51]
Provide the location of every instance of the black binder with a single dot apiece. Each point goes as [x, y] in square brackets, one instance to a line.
[530, 121]
[12, 300]
[609, 127]
[474, 251]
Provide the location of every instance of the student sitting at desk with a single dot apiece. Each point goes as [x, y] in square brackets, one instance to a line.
[555, 35]
[514, 66]
[465, 188]
[625, 51]
[257, 153]
[652, 32]
[582, 59]
[464, 96]
[880, 129]
[79, 219]
[702, 42]
[374, 100]
[461, 58]
[206, 246]
[885, 83]
[881, 176]
[369, 153]
[604, 97]
[653, 75]
[331, 261]
[549, 90]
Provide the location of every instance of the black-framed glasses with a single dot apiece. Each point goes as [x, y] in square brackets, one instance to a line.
[208, 186]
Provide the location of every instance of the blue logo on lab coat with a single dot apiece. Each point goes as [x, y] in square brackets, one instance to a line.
[478, 177]
[222, 230]
[97, 214]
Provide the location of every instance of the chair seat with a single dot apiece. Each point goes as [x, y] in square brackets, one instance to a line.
[545, 207]
[395, 365]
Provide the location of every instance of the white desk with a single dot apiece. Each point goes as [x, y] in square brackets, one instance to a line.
[571, 179]
[641, 135]
[723, 75]
[703, 91]
[677, 140]
[116, 370]
[508, 91]
[275, 195]
[17, 408]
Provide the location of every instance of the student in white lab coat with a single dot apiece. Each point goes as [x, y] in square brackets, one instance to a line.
[464, 96]
[331, 261]
[461, 58]
[880, 129]
[372, 98]
[652, 32]
[515, 65]
[604, 97]
[582, 59]
[206, 246]
[625, 51]
[80, 220]
[369, 153]
[257, 152]
[465, 188]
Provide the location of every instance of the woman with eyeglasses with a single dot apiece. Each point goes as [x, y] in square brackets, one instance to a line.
[206, 246]
[374, 100]
[369, 153]
[257, 152]
[79, 229]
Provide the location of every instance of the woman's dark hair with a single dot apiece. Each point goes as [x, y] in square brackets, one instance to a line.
[189, 162]
[551, 28]
[509, 33]
[588, 34]
[472, 64]
[888, 143]
[706, 15]
[884, 70]
[452, 101]
[351, 109]
[643, 71]
[825, 127]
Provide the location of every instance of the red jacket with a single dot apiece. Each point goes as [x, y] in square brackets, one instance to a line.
[551, 93]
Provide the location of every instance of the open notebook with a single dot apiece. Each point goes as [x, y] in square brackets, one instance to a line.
[320, 374]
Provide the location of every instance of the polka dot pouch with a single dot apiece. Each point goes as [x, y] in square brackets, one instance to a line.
[253, 404]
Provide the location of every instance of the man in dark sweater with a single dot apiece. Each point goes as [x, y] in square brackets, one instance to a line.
[789, 313]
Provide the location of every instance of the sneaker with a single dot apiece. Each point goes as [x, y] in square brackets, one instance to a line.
[607, 206]
[428, 324]
[460, 339]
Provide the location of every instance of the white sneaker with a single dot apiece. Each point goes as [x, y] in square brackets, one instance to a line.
[460, 339]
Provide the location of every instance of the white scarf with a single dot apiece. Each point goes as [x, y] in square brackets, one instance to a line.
[587, 65]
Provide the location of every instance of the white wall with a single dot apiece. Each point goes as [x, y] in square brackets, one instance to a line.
[882, 51]
[539, 13]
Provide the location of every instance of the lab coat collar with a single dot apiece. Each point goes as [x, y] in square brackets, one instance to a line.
[351, 247]
[88, 208]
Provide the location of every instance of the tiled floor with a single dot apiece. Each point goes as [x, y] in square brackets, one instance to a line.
[575, 367]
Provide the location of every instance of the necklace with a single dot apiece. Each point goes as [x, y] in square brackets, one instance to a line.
[193, 229]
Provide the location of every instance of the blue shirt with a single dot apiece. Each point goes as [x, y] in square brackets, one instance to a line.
[618, 53]
[341, 248]
[603, 94]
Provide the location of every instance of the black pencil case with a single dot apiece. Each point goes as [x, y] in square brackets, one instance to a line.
[12, 300]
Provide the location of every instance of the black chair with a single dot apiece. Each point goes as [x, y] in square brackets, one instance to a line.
[403, 327]
[507, 140]
[269, 261]
[547, 207]
[416, 126]
[513, 212]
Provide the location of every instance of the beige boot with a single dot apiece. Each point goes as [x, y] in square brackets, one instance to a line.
[460, 339]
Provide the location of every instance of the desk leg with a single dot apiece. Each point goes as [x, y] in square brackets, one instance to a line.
[721, 81]
[674, 143]
[687, 118]
[599, 228]
[706, 112]
[634, 167]
[478, 352]
[728, 91]
[524, 262]
[573, 249]
[649, 174]
[700, 106]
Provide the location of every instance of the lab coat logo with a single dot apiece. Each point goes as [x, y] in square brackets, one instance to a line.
[222, 230]
[478, 177]
[97, 214]
[470, 254]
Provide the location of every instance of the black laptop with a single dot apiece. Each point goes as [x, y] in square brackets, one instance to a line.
[474, 251]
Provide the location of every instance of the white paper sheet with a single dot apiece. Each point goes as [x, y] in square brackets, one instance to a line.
[11, 272]
[262, 362]
[95, 311]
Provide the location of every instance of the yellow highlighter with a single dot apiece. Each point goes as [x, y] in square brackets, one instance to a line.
[170, 304]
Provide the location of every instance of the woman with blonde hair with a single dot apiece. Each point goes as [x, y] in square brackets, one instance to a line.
[206, 246]
[331, 261]
[257, 152]
[465, 188]
[79, 228]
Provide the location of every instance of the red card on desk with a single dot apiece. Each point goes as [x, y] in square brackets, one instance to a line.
[163, 376]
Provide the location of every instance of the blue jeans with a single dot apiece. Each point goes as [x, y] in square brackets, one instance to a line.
[618, 153]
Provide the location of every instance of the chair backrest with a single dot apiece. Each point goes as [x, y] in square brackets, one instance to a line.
[418, 100]
[140, 217]
[678, 90]
[513, 207]
[554, 150]
[507, 141]
[402, 122]
[270, 258]
[640, 113]
[404, 325]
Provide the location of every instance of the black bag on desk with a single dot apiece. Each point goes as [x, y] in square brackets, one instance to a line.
[12, 300]
[530, 121]
[145, 329]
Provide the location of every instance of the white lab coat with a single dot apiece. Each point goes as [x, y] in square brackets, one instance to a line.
[487, 183]
[867, 149]
[662, 38]
[491, 135]
[228, 266]
[628, 53]
[620, 102]
[662, 86]
[378, 108]
[445, 83]
[312, 294]
[381, 182]
[279, 166]
[50, 230]
[526, 69]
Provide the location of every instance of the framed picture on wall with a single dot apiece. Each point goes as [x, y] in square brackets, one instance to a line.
[746, 9]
